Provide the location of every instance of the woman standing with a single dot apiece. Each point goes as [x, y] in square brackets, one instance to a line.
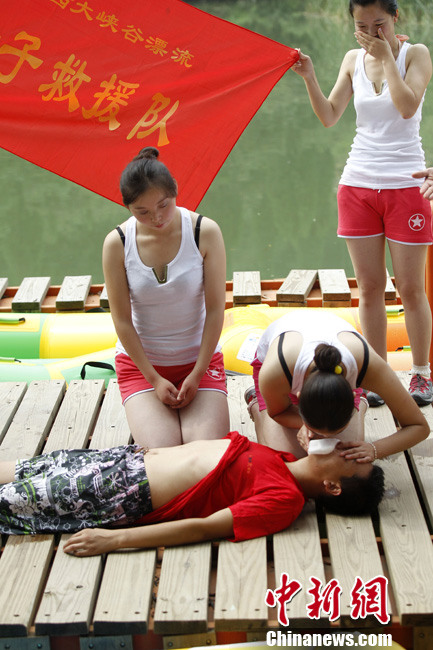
[165, 274]
[378, 199]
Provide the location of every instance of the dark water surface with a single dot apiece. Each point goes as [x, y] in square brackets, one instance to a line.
[274, 198]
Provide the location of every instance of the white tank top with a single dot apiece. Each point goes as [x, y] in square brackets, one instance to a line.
[315, 327]
[387, 149]
[168, 316]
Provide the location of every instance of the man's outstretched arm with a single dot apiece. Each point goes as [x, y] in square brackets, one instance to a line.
[94, 541]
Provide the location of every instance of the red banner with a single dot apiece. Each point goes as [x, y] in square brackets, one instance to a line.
[86, 84]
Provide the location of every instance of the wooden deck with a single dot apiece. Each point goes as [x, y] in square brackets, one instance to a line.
[208, 593]
[301, 288]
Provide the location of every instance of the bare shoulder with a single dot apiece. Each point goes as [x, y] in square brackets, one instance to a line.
[271, 372]
[349, 59]
[418, 53]
[113, 244]
[206, 224]
[418, 49]
[354, 344]
[210, 234]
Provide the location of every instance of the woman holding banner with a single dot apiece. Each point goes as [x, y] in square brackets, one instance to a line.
[378, 199]
[165, 274]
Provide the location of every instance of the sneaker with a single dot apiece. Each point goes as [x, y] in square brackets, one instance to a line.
[374, 399]
[250, 398]
[421, 390]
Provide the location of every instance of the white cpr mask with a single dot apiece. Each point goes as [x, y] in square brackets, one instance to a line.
[322, 446]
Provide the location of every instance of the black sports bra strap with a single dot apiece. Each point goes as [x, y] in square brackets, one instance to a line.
[366, 359]
[121, 234]
[284, 365]
[197, 229]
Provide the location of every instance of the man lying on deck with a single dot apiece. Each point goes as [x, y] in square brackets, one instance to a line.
[207, 489]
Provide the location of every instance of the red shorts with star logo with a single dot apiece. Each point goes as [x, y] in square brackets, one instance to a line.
[131, 381]
[402, 215]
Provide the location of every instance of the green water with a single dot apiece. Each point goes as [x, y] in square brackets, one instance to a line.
[275, 196]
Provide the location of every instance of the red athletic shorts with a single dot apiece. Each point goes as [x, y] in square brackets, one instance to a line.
[131, 381]
[402, 215]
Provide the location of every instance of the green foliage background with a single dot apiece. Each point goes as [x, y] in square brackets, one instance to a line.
[275, 195]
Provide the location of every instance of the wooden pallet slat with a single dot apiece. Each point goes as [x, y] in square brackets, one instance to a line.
[125, 595]
[32, 421]
[405, 536]
[354, 552]
[239, 417]
[73, 292]
[297, 552]
[77, 414]
[23, 569]
[390, 290]
[296, 287]
[246, 288]
[111, 427]
[407, 544]
[103, 299]
[241, 586]
[69, 595]
[183, 592]
[31, 294]
[335, 288]
[3, 286]
[11, 395]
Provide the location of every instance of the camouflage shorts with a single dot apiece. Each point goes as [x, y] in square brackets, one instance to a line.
[65, 491]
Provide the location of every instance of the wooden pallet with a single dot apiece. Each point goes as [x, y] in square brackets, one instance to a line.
[301, 288]
[205, 593]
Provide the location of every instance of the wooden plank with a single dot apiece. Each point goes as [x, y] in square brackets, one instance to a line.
[23, 568]
[31, 294]
[404, 532]
[390, 291]
[122, 599]
[3, 286]
[407, 545]
[11, 395]
[73, 292]
[241, 586]
[125, 595]
[103, 300]
[239, 417]
[296, 287]
[298, 553]
[111, 427]
[352, 540]
[334, 287]
[353, 552]
[69, 595]
[182, 600]
[32, 421]
[421, 457]
[77, 414]
[246, 287]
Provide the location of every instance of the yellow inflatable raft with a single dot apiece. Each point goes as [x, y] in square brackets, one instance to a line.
[48, 346]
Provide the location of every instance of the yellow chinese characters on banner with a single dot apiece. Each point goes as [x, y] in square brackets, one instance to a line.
[84, 85]
[67, 78]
